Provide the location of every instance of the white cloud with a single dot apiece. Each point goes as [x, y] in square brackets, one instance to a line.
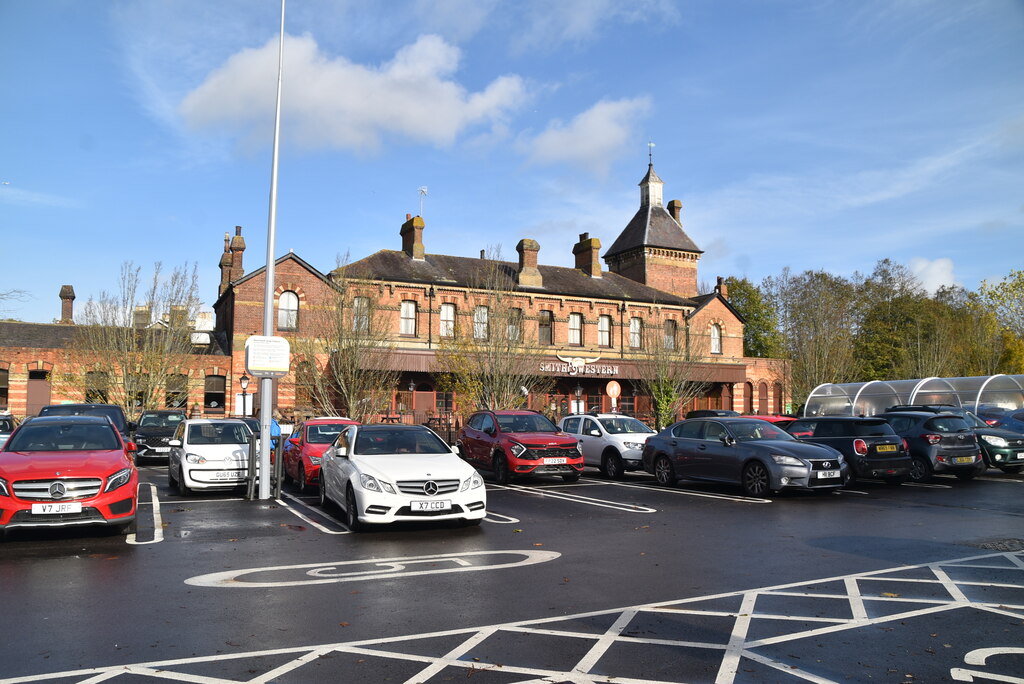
[330, 102]
[933, 274]
[545, 24]
[593, 139]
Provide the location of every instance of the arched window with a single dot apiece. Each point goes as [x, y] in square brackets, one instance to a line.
[447, 320]
[515, 325]
[716, 339]
[213, 394]
[762, 398]
[636, 333]
[604, 331]
[361, 314]
[545, 328]
[669, 336]
[481, 316]
[176, 391]
[748, 398]
[576, 329]
[288, 311]
[407, 324]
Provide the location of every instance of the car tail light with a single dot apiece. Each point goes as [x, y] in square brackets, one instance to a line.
[992, 421]
[906, 444]
[860, 446]
[932, 439]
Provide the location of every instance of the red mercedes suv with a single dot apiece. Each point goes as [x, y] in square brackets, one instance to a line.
[510, 443]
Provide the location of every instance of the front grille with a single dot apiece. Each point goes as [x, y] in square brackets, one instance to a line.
[833, 464]
[553, 452]
[415, 487]
[75, 488]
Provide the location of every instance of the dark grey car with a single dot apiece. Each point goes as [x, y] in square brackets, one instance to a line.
[752, 453]
[870, 446]
[154, 432]
[938, 442]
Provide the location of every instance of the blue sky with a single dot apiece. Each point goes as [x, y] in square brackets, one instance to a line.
[814, 135]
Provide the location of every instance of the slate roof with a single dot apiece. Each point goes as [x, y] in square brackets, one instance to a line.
[652, 226]
[442, 270]
[15, 334]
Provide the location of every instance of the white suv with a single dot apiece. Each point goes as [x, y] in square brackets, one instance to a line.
[610, 441]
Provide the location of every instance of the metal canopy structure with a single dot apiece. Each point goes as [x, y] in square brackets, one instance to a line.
[875, 396]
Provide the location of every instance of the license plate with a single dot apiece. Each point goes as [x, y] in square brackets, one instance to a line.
[963, 459]
[827, 474]
[439, 505]
[56, 508]
[886, 447]
[160, 450]
[555, 461]
[228, 475]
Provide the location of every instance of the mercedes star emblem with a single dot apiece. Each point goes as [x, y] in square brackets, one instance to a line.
[58, 490]
[430, 488]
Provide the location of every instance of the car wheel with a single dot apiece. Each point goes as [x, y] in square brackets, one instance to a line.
[1012, 470]
[756, 480]
[611, 465]
[664, 473]
[183, 489]
[920, 470]
[966, 476]
[352, 511]
[325, 501]
[500, 468]
[300, 480]
[571, 477]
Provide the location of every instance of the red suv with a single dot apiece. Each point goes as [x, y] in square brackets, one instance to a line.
[510, 443]
[305, 447]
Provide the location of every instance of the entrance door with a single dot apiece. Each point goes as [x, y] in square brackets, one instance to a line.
[38, 391]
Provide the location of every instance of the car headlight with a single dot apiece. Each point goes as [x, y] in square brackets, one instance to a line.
[786, 460]
[579, 447]
[517, 449]
[4, 491]
[995, 441]
[315, 460]
[195, 458]
[372, 484]
[633, 445]
[472, 482]
[118, 479]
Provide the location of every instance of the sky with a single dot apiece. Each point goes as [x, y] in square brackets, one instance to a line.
[813, 134]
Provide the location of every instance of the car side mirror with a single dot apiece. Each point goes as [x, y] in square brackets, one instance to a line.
[293, 440]
[174, 442]
[455, 449]
[728, 440]
[131, 447]
[341, 451]
[594, 433]
[132, 426]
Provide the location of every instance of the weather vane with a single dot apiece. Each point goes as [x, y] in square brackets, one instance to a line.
[650, 153]
[423, 193]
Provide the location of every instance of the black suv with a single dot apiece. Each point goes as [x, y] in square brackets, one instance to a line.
[938, 442]
[111, 411]
[1000, 448]
[154, 429]
[870, 445]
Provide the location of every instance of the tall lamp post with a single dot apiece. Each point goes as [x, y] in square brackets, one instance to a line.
[578, 391]
[244, 382]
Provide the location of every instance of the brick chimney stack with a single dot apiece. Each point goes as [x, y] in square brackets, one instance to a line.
[675, 207]
[528, 274]
[225, 265]
[67, 304]
[721, 288]
[237, 249]
[587, 252]
[412, 237]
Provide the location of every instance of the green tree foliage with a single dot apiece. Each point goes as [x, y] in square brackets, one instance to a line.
[1006, 299]
[761, 336]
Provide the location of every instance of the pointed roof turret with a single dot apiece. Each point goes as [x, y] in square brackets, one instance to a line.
[652, 225]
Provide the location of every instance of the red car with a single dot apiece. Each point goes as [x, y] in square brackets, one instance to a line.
[780, 420]
[510, 443]
[305, 447]
[57, 471]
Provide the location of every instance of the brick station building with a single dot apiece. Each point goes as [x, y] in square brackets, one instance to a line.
[590, 325]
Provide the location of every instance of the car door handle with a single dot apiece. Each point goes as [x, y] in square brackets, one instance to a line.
[702, 447]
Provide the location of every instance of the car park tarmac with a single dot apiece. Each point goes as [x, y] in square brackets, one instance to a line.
[599, 581]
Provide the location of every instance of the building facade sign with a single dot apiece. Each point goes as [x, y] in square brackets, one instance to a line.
[577, 365]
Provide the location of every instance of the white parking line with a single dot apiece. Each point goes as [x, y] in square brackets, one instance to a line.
[309, 520]
[158, 522]
[576, 498]
[500, 519]
[687, 492]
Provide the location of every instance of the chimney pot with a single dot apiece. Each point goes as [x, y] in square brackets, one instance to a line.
[587, 252]
[528, 274]
[675, 208]
[67, 304]
[412, 237]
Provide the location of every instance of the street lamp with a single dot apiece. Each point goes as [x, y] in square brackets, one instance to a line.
[244, 382]
[578, 391]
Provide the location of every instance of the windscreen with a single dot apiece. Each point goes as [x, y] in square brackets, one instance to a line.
[947, 424]
[218, 433]
[873, 428]
[64, 437]
[158, 420]
[752, 430]
[623, 425]
[325, 433]
[399, 442]
[113, 412]
[527, 422]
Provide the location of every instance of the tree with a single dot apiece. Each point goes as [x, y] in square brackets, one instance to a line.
[761, 327]
[1006, 300]
[345, 355]
[673, 369]
[132, 348]
[485, 358]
